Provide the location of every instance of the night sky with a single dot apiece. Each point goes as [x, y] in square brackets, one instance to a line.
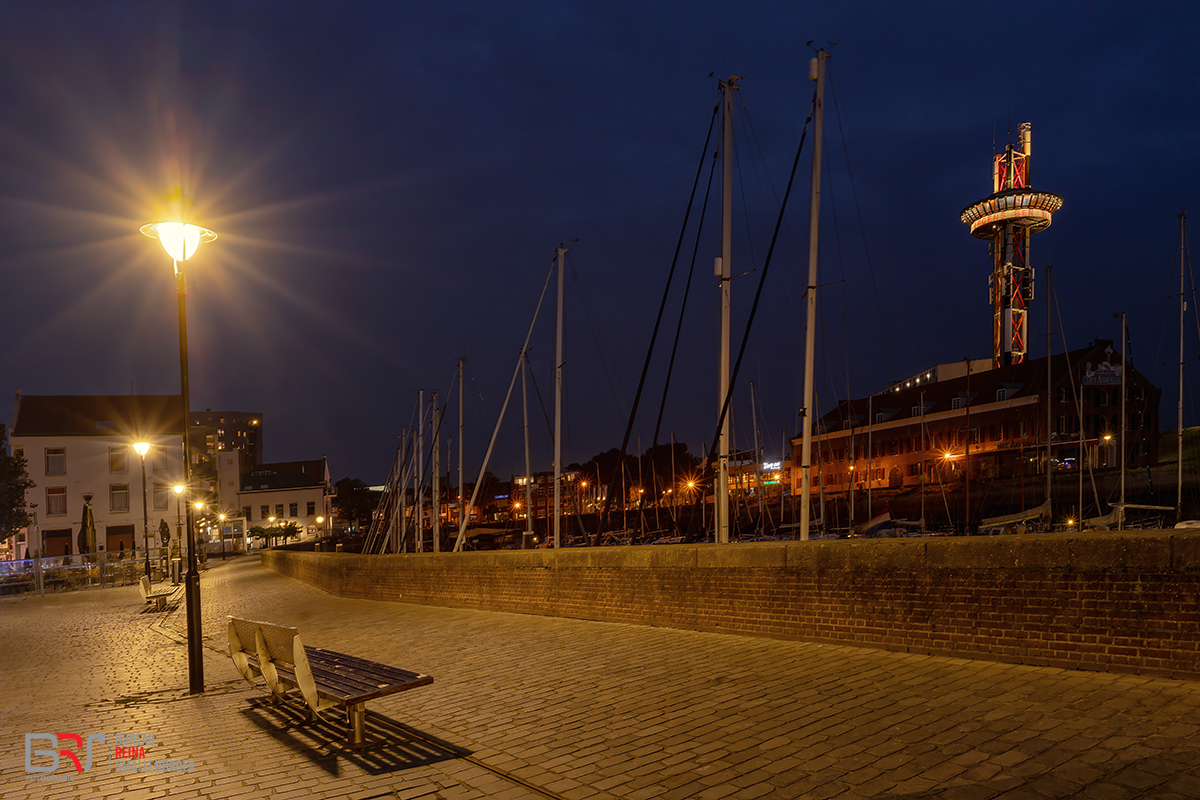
[390, 180]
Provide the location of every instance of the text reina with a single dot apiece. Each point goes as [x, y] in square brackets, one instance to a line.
[129, 752]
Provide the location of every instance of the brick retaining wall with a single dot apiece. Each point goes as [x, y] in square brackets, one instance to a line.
[1122, 602]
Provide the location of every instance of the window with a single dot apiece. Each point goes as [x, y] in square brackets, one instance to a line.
[56, 461]
[246, 512]
[18, 452]
[116, 460]
[162, 495]
[879, 418]
[1062, 395]
[118, 497]
[56, 501]
[916, 411]
[1062, 424]
[956, 403]
[159, 459]
[914, 470]
[279, 509]
[1024, 428]
[1001, 394]
[264, 511]
[311, 508]
[292, 509]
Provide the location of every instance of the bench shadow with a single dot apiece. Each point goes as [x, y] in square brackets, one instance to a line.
[390, 746]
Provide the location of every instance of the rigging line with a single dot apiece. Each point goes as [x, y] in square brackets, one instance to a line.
[737, 168]
[462, 531]
[863, 232]
[737, 365]
[837, 238]
[541, 402]
[754, 135]
[687, 289]
[606, 359]
[1164, 294]
[658, 322]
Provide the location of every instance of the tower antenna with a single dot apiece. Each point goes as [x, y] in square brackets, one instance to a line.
[1007, 219]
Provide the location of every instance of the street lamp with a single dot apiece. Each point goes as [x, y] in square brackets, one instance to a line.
[180, 240]
[222, 518]
[141, 448]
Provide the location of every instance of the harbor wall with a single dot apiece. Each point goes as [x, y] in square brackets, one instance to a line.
[1118, 601]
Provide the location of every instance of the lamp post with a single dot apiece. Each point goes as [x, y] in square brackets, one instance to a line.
[222, 518]
[180, 240]
[141, 448]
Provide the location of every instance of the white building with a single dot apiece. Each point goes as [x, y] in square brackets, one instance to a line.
[275, 494]
[80, 447]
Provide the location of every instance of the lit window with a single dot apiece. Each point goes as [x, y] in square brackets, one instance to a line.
[56, 501]
[161, 495]
[56, 461]
[118, 497]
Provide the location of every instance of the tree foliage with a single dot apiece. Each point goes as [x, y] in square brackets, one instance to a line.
[14, 482]
[354, 502]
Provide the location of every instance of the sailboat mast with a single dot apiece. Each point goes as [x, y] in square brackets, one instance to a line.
[721, 485]
[528, 477]
[1124, 421]
[816, 72]
[561, 252]
[419, 516]
[1182, 308]
[462, 363]
[758, 488]
[436, 465]
[1049, 389]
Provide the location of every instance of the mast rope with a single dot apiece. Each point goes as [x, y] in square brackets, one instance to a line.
[657, 323]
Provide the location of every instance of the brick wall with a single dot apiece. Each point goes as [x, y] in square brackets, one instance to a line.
[1127, 602]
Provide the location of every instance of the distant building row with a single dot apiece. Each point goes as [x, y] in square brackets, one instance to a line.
[78, 449]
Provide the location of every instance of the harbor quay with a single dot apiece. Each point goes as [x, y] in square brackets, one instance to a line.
[95, 703]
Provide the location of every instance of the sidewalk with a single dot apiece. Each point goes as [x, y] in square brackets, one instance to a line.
[536, 707]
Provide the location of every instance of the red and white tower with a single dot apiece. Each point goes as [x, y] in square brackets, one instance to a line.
[1007, 219]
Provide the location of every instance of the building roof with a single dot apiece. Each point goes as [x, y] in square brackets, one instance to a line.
[286, 475]
[1098, 364]
[97, 415]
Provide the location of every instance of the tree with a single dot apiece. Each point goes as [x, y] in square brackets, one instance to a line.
[14, 482]
[354, 502]
[290, 530]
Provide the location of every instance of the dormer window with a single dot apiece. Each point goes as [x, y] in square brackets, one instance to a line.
[879, 418]
[1001, 394]
[956, 403]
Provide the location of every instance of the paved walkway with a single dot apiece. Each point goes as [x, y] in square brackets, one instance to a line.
[530, 707]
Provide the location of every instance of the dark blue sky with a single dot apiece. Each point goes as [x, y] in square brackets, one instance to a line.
[390, 180]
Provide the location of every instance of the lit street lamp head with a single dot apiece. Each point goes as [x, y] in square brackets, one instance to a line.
[178, 489]
[141, 448]
[179, 239]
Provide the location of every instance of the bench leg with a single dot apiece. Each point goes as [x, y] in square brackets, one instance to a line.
[160, 604]
[358, 723]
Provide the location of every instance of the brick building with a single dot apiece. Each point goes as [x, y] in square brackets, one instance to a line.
[928, 422]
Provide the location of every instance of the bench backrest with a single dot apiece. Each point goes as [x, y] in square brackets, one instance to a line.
[271, 644]
[144, 587]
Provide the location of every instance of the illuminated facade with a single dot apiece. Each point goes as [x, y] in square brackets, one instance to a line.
[927, 423]
[1007, 219]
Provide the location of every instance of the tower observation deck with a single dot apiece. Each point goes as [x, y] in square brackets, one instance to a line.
[1007, 219]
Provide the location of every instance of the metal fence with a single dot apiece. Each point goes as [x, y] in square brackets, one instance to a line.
[66, 573]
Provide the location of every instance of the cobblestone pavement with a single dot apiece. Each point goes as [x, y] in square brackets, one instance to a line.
[530, 707]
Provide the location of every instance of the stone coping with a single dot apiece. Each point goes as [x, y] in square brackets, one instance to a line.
[1120, 551]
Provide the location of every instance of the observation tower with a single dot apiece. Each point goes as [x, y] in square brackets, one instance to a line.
[1007, 219]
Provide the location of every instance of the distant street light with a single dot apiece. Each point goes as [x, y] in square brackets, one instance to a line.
[222, 532]
[180, 240]
[141, 448]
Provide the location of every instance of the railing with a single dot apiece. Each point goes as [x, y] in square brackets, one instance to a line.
[66, 573]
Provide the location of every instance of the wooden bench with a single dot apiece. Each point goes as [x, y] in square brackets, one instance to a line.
[157, 596]
[326, 679]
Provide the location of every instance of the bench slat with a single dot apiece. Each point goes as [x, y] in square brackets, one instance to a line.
[347, 688]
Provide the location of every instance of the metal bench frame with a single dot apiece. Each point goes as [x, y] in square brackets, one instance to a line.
[157, 596]
[326, 679]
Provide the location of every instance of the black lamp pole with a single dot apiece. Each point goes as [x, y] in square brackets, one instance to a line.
[145, 517]
[192, 578]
